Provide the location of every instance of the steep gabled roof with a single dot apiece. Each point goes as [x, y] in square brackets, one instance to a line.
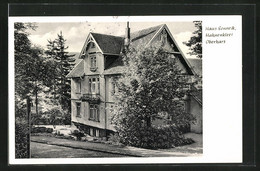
[109, 44]
[143, 37]
[77, 71]
[113, 45]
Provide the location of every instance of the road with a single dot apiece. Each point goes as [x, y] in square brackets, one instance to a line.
[41, 150]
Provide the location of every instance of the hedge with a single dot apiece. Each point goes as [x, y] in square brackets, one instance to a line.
[154, 137]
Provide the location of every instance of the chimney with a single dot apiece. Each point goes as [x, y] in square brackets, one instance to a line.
[127, 35]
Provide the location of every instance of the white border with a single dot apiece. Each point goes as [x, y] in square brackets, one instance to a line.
[222, 94]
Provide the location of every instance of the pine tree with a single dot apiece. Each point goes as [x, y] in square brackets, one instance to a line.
[195, 42]
[152, 87]
[63, 63]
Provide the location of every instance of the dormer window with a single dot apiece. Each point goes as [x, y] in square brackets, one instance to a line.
[93, 63]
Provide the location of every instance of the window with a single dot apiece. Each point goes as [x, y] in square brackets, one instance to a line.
[78, 86]
[93, 62]
[97, 133]
[78, 105]
[93, 112]
[94, 85]
[114, 88]
[91, 132]
[163, 37]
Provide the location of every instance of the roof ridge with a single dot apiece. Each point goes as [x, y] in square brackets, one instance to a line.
[107, 35]
[144, 29]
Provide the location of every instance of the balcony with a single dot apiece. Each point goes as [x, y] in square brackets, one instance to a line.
[91, 98]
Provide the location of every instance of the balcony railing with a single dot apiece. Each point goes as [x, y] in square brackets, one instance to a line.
[91, 98]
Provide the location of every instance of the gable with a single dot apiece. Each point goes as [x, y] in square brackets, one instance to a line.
[171, 46]
[143, 37]
[88, 46]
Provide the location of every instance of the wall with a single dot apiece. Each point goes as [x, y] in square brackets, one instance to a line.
[109, 101]
[85, 111]
[196, 110]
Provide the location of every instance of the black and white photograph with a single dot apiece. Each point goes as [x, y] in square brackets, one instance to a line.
[118, 88]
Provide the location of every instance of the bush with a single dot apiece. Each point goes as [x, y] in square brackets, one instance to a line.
[21, 138]
[49, 130]
[154, 137]
[41, 130]
[114, 139]
[184, 128]
[78, 134]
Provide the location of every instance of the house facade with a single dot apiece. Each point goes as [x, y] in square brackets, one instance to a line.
[92, 85]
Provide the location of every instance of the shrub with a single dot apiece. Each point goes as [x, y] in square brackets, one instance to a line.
[184, 128]
[58, 133]
[49, 130]
[114, 139]
[154, 137]
[78, 134]
[21, 138]
[41, 130]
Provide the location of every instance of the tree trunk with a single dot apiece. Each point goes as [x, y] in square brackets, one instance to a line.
[148, 121]
[36, 101]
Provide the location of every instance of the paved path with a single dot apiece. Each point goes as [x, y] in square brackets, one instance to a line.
[111, 149]
[42, 150]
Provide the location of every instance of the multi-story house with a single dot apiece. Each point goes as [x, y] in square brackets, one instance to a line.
[92, 85]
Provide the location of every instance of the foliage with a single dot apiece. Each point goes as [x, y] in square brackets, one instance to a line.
[114, 139]
[195, 42]
[41, 130]
[27, 64]
[21, 133]
[32, 70]
[152, 87]
[56, 116]
[155, 137]
[21, 138]
[78, 134]
[63, 64]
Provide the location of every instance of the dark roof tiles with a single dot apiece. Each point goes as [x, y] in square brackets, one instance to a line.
[77, 71]
[109, 44]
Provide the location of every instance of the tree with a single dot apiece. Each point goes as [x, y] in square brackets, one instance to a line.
[31, 74]
[22, 52]
[60, 85]
[32, 70]
[152, 87]
[195, 42]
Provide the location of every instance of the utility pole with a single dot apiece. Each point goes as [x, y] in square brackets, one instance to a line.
[28, 105]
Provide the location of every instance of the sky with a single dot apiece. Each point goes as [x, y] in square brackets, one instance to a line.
[76, 32]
